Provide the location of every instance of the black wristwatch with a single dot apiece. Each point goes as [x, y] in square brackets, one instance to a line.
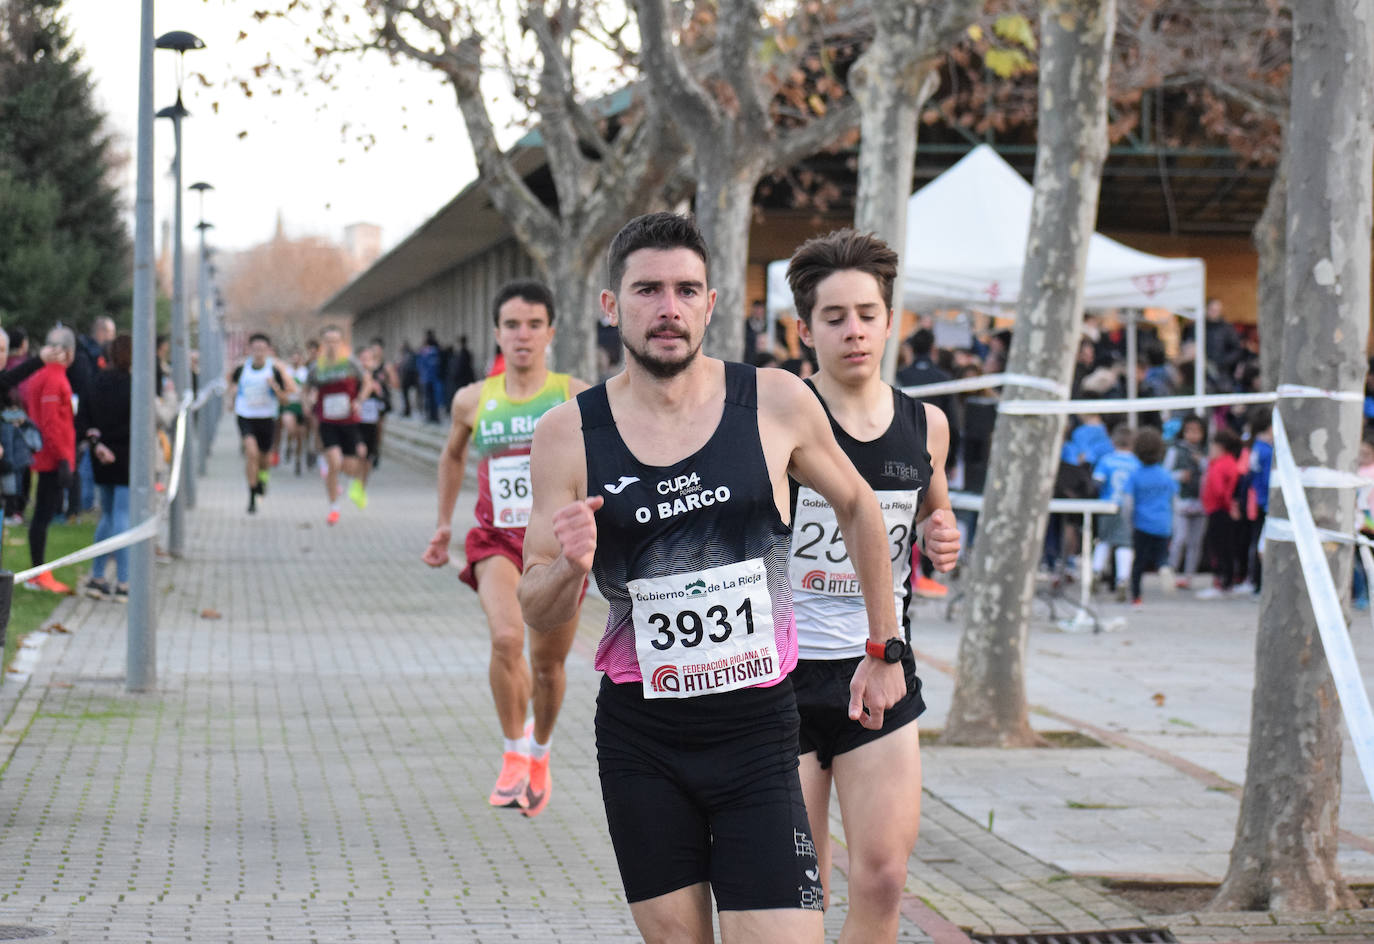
[890, 651]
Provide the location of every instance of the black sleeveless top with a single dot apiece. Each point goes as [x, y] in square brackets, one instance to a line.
[713, 508]
[831, 620]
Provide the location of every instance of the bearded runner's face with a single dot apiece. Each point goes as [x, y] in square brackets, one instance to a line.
[662, 307]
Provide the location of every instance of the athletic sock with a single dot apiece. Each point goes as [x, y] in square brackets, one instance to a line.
[520, 745]
[539, 751]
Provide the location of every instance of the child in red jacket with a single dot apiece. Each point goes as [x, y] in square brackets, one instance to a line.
[49, 397]
[1222, 510]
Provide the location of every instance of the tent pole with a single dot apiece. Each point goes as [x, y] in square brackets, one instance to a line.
[1132, 355]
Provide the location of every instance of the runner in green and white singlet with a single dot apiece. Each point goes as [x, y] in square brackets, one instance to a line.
[496, 418]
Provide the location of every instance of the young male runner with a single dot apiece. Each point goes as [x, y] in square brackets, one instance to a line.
[257, 389]
[842, 287]
[292, 426]
[497, 418]
[338, 386]
[670, 481]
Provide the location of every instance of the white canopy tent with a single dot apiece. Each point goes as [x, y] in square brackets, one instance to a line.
[966, 236]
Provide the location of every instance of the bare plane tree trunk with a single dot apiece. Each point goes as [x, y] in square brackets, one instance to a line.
[576, 283]
[734, 140]
[891, 82]
[1270, 245]
[724, 205]
[1284, 857]
[989, 703]
[600, 180]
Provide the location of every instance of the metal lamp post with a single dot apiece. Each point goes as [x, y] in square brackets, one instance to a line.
[208, 369]
[180, 42]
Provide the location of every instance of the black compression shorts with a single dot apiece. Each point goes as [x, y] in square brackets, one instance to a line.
[341, 435]
[706, 789]
[367, 435]
[263, 429]
[822, 687]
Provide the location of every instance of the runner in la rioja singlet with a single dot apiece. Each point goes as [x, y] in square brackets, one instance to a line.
[495, 420]
[501, 439]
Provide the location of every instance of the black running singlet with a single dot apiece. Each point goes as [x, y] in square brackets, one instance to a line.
[831, 620]
[691, 557]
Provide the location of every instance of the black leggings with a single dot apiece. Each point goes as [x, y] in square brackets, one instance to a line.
[47, 502]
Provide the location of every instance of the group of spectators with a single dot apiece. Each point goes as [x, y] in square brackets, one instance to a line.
[1193, 489]
[64, 437]
[431, 374]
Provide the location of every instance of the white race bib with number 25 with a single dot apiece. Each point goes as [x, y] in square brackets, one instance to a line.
[705, 631]
[510, 491]
[820, 562]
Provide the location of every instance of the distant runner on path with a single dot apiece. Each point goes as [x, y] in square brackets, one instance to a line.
[339, 385]
[670, 480]
[497, 417]
[842, 287]
[258, 388]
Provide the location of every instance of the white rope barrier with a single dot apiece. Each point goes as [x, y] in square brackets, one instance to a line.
[1326, 605]
[986, 381]
[146, 529]
[1300, 528]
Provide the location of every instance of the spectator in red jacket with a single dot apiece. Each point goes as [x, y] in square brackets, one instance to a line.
[1223, 511]
[49, 406]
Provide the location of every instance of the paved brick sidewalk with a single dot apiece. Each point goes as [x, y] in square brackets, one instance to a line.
[315, 761]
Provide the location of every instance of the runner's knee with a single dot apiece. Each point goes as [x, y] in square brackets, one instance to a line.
[508, 643]
[879, 881]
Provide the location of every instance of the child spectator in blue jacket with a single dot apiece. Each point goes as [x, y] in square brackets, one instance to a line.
[1112, 472]
[1150, 496]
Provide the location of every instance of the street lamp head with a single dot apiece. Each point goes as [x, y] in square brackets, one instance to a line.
[204, 225]
[174, 112]
[180, 40]
[201, 185]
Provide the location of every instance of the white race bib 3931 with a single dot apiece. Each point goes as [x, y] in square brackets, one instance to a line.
[509, 477]
[706, 631]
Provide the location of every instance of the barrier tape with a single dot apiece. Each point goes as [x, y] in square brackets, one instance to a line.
[1318, 477]
[147, 529]
[1326, 606]
[1152, 404]
[983, 382]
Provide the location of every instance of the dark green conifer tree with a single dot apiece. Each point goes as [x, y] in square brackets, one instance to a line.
[64, 248]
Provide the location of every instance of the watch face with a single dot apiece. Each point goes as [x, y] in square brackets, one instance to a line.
[893, 650]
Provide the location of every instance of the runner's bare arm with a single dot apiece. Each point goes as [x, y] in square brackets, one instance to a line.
[366, 387]
[452, 467]
[560, 540]
[935, 522]
[818, 462]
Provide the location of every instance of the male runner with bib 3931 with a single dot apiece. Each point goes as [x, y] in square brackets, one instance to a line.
[670, 482]
[842, 287]
[496, 417]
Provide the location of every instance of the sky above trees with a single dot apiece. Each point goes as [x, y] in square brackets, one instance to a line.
[392, 167]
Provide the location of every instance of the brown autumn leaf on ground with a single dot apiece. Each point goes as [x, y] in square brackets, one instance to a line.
[210, 614]
[57, 628]
[1158, 699]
